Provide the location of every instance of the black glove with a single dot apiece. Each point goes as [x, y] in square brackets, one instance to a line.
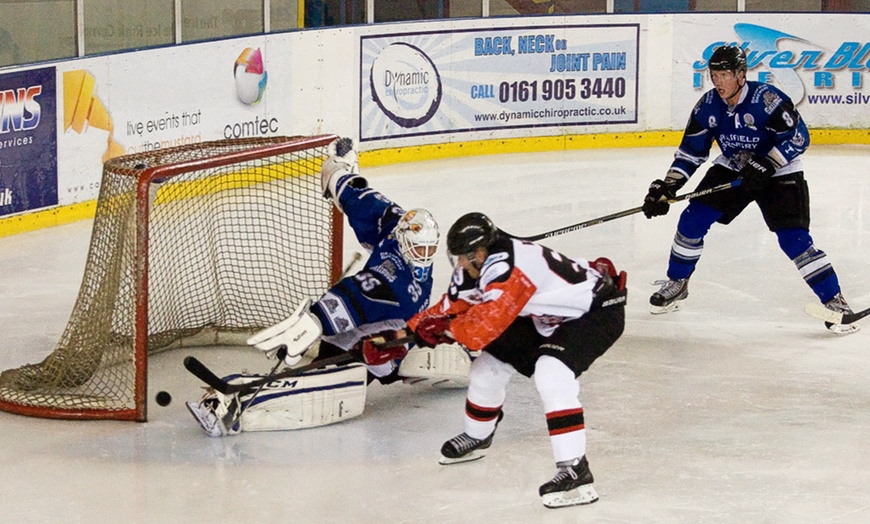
[660, 191]
[756, 173]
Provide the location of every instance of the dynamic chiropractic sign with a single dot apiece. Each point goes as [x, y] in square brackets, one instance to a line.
[824, 72]
[428, 83]
[28, 141]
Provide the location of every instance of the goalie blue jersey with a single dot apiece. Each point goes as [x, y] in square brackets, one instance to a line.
[385, 289]
[764, 122]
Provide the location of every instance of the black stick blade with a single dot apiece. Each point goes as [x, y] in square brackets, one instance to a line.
[199, 369]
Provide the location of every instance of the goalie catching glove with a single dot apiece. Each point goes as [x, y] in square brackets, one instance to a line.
[297, 334]
[373, 351]
[340, 171]
[433, 330]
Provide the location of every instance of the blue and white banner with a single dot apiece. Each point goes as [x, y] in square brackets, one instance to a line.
[820, 61]
[28, 141]
[433, 82]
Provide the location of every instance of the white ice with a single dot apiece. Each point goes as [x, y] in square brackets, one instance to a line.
[738, 408]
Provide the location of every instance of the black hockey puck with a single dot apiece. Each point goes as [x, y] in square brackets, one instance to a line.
[163, 398]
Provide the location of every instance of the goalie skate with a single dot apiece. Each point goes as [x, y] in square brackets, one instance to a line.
[667, 299]
[204, 411]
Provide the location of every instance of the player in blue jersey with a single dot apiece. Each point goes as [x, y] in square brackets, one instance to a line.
[761, 137]
[395, 283]
[376, 302]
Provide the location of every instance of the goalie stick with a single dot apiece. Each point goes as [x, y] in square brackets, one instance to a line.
[282, 352]
[627, 212]
[202, 372]
[834, 317]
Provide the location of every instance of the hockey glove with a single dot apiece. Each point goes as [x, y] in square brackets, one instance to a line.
[341, 170]
[374, 354]
[433, 330]
[660, 192]
[756, 173]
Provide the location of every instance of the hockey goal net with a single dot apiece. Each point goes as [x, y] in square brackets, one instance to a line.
[198, 245]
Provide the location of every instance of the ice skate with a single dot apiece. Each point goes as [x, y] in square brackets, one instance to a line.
[668, 298]
[204, 413]
[571, 486]
[463, 448]
[839, 305]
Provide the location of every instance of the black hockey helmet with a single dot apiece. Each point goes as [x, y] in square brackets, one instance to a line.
[728, 58]
[469, 232]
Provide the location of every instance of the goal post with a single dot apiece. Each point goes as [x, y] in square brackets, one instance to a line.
[192, 246]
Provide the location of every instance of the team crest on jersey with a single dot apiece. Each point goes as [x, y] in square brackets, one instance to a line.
[711, 121]
[762, 91]
[341, 324]
[387, 269]
[330, 304]
[771, 101]
[749, 121]
[798, 140]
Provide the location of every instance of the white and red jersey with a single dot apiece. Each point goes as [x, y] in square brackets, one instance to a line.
[518, 278]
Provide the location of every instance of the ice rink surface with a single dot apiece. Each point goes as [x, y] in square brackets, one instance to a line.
[738, 408]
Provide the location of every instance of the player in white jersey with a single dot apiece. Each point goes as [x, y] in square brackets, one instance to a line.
[531, 310]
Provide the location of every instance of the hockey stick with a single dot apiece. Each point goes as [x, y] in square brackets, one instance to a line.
[282, 352]
[627, 212]
[354, 259]
[834, 317]
[202, 372]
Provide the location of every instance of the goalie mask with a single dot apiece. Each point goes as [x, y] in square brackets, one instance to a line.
[417, 234]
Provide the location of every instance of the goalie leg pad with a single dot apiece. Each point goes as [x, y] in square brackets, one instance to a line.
[444, 366]
[299, 332]
[316, 398]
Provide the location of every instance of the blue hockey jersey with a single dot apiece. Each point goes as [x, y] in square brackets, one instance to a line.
[385, 289]
[763, 122]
